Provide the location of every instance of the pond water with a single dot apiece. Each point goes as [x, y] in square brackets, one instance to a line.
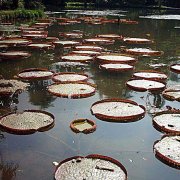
[32, 156]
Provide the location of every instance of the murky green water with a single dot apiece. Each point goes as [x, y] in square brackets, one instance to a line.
[31, 156]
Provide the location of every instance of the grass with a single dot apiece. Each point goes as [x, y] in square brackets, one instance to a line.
[21, 13]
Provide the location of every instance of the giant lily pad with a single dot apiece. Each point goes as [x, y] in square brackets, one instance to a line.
[41, 46]
[69, 77]
[88, 48]
[150, 75]
[15, 42]
[145, 85]
[116, 67]
[137, 41]
[143, 52]
[167, 150]
[88, 53]
[77, 58]
[35, 73]
[167, 121]
[90, 167]
[175, 68]
[8, 87]
[110, 36]
[72, 89]
[72, 35]
[13, 55]
[117, 110]
[98, 40]
[116, 58]
[27, 122]
[172, 93]
[66, 43]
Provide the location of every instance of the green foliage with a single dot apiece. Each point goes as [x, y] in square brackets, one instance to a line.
[20, 4]
[21, 13]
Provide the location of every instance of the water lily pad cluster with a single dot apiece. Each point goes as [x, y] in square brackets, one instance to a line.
[79, 49]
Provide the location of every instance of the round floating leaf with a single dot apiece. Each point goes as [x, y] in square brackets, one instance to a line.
[35, 73]
[172, 93]
[116, 67]
[167, 121]
[69, 77]
[117, 110]
[143, 52]
[72, 90]
[8, 87]
[90, 167]
[167, 150]
[83, 125]
[145, 85]
[27, 122]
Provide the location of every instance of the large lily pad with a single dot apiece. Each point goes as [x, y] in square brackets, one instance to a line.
[143, 52]
[167, 121]
[77, 58]
[145, 85]
[69, 77]
[117, 110]
[8, 87]
[137, 40]
[175, 68]
[116, 58]
[172, 93]
[90, 167]
[35, 73]
[150, 75]
[27, 122]
[168, 150]
[116, 67]
[72, 90]
[13, 55]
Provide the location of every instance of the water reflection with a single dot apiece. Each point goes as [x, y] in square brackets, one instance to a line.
[38, 94]
[7, 170]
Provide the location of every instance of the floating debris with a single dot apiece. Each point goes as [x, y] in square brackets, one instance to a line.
[90, 167]
[27, 122]
[117, 110]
